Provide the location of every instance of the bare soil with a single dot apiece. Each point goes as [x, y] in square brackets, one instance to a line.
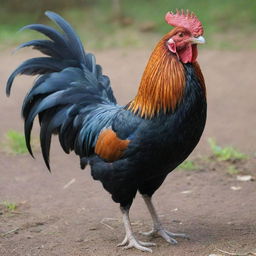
[67, 213]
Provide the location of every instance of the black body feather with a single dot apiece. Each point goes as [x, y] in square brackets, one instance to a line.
[74, 100]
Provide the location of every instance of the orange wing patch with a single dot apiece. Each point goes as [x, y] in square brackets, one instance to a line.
[109, 146]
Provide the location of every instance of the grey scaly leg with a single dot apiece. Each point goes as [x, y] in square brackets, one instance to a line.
[130, 240]
[157, 226]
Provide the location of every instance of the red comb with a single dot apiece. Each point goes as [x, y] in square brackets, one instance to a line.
[186, 20]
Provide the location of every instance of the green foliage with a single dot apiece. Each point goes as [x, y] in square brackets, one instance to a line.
[232, 170]
[225, 153]
[188, 165]
[227, 23]
[9, 205]
[15, 142]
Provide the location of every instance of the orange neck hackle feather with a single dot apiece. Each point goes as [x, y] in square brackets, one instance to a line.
[162, 84]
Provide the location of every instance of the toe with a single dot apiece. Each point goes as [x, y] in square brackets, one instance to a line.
[132, 242]
[124, 242]
[138, 246]
[177, 235]
[171, 240]
[167, 237]
[146, 243]
[149, 233]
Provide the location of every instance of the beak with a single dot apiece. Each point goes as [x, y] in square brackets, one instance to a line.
[198, 40]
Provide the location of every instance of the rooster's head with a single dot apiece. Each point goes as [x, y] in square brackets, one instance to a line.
[183, 39]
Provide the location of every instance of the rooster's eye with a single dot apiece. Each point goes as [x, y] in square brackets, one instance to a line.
[181, 34]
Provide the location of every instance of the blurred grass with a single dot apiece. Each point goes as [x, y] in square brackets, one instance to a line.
[229, 24]
[188, 165]
[10, 206]
[227, 153]
[15, 143]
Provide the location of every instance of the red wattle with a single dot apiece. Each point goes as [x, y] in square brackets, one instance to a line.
[188, 54]
[194, 52]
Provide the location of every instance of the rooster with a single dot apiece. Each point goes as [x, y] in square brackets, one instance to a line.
[129, 148]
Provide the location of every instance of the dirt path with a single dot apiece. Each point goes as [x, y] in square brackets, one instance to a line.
[81, 219]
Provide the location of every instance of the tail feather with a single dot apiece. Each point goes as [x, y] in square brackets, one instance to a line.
[72, 38]
[65, 50]
[67, 142]
[56, 37]
[29, 101]
[71, 95]
[46, 47]
[50, 122]
[35, 66]
[91, 63]
[45, 86]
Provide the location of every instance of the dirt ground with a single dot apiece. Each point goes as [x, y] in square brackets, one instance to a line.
[67, 213]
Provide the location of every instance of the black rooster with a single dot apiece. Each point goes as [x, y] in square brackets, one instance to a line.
[129, 148]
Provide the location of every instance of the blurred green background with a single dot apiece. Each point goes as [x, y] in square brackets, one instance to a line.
[228, 24]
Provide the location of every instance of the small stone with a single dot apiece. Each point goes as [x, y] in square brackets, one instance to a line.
[79, 240]
[39, 223]
[35, 230]
[186, 192]
[177, 221]
[244, 177]
[235, 188]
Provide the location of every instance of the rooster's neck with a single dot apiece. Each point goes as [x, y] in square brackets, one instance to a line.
[162, 84]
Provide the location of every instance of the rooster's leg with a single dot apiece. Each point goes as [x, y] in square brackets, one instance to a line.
[157, 226]
[130, 241]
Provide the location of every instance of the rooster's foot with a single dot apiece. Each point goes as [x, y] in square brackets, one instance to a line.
[166, 235]
[132, 242]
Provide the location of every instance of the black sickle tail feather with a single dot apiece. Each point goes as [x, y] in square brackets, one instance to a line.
[70, 86]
